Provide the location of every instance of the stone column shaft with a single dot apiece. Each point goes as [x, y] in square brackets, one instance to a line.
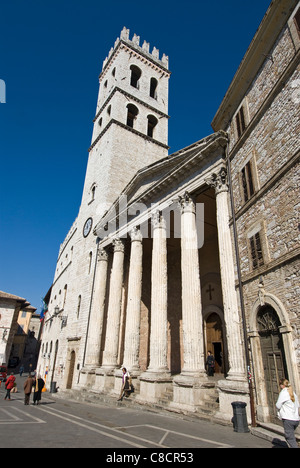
[193, 344]
[97, 314]
[133, 313]
[159, 298]
[237, 366]
[110, 355]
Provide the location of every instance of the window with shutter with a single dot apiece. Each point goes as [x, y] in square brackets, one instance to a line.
[256, 251]
[240, 122]
[247, 181]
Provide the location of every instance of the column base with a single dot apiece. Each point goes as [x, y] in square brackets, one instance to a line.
[104, 380]
[189, 391]
[87, 377]
[154, 386]
[230, 390]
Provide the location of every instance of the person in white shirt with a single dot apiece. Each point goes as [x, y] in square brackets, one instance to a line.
[125, 384]
[288, 411]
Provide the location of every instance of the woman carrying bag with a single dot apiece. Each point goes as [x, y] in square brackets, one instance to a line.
[288, 411]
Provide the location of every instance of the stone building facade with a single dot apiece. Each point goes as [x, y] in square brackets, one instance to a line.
[172, 256]
[260, 113]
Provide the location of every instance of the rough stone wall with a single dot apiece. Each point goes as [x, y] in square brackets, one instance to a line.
[271, 144]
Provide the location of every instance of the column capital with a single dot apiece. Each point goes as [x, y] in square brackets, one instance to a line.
[102, 255]
[136, 235]
[118, 245]
[158, 220]
[186, 203]
[219, 181]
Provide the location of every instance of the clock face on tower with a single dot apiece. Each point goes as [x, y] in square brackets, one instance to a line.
[87, 227]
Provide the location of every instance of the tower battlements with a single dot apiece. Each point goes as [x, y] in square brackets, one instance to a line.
[134, 43]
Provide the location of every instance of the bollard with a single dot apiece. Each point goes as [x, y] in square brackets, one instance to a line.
[239, 419]
[53, 387]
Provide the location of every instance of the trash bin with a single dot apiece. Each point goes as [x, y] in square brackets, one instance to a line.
[53, 387]
[239, 419]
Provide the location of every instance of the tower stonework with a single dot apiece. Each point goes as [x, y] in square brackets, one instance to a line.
[130, 132]
[131, 122]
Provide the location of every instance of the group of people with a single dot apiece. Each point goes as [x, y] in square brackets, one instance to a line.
[287, 404]
[32, 384]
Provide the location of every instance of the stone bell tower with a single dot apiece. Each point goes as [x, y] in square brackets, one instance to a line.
[131, 123]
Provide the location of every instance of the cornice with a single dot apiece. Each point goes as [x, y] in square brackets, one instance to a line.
[123, 44]
[272, 24]
[130, 96]
[126, 127]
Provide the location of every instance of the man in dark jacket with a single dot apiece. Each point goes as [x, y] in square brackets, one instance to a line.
[210, 363]
[39, 385]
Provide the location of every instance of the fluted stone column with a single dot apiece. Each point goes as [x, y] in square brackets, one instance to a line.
[237, 366]
[193, 344]
[97, 313]
[159, 298]
[110, 355]
[133, 313]
[156, 381]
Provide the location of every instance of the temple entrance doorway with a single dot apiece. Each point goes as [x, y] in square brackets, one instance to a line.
[214, 341]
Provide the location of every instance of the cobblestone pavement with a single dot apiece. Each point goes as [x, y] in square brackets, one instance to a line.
[58, 423]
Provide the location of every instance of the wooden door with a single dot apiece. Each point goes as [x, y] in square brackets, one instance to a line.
[273, 356]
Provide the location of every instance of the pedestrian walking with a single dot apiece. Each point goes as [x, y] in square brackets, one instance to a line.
[21, 370]
[125, 384]
[288, 411]
[28, 384]
[210, 363]
[38, 387]
[9, 385]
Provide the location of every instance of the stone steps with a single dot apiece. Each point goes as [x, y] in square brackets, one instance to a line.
[204, 411]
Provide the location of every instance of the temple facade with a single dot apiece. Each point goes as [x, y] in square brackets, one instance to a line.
[173, 256]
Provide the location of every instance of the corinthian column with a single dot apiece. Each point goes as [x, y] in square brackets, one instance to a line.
[110, 355]
[193, 345]
[97, 314]
[133, 314]
[236, 358]
[159, 298]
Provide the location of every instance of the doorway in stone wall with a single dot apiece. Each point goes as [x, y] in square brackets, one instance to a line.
[273, 355]
[71, 370]
[214, 341]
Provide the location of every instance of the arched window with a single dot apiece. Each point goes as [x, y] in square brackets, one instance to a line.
[132, 112]
[78, 306]
[135, 76]
[152, 122]
[90, 261]
[93, 192]
[65, 296]
[153, 88]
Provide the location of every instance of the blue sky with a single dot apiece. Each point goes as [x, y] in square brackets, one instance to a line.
[51, 54]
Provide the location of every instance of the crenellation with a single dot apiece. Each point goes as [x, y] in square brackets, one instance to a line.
[135, 43]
